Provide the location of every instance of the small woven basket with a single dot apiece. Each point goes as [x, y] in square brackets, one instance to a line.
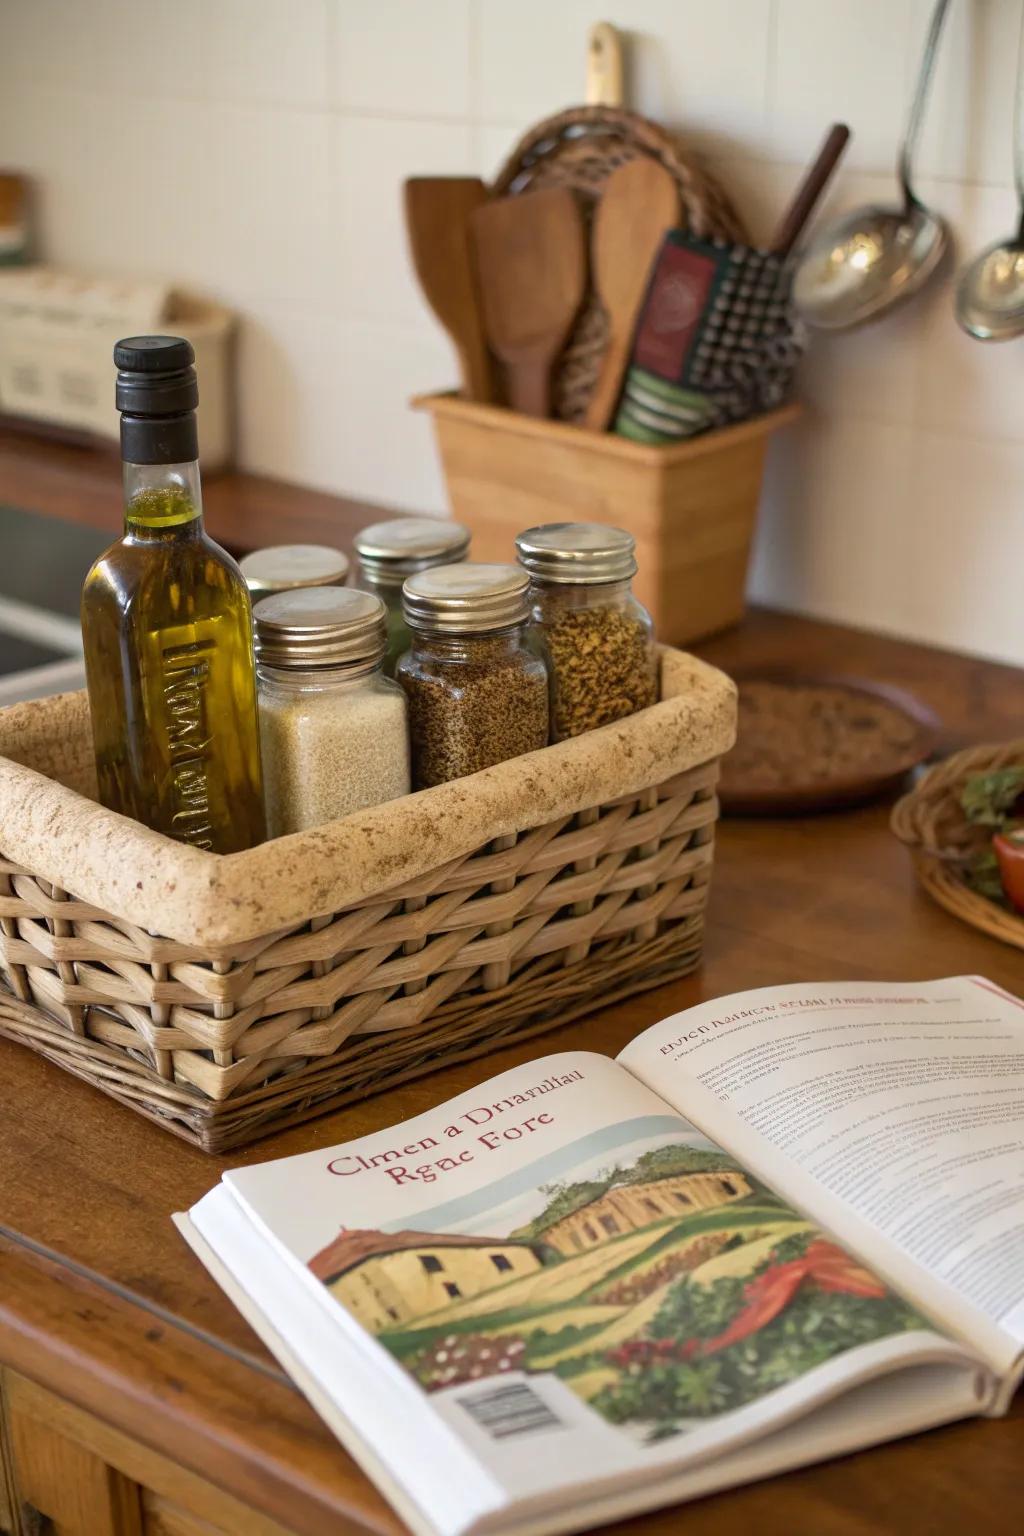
[226, 997]
[580, 148]
[931, 822]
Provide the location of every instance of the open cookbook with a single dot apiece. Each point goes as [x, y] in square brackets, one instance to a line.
[778, 1227]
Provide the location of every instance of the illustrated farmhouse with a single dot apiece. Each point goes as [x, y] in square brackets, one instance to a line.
[628, 1207]
[390, 1279]
[386, 1279]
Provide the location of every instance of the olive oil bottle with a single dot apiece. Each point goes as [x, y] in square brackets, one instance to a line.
[167, 630]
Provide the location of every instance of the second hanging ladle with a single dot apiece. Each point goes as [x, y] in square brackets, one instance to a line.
[990, 292]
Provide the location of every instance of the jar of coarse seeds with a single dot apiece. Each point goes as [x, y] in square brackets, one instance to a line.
[595, 637]
[281, 567]
[477, 695]
[389, 552]
[332, 726]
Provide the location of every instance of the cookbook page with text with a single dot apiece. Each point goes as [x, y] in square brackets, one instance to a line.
[893, 1113]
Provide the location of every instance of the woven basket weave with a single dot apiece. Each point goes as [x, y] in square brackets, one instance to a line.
[930, 820]
[228, 997]
[580, 148]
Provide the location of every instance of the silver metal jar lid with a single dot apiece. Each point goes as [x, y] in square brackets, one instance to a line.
[389, 552]
[320, 627]
[584, 553]
[282, 567]
[466, 599]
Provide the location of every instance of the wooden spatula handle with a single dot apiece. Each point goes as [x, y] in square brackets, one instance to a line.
[602, 403]
[475, 370]
[528, 386]
[810, 189]
[604, 66]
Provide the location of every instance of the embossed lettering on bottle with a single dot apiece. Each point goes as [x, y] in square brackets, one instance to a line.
[186, 679]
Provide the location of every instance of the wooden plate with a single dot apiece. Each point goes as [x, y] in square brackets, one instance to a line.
[809, 743]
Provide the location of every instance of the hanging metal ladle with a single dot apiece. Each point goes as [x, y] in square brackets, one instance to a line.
[990, 292]
[872, 259]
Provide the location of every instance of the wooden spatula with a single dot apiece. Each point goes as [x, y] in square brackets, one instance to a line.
[532, 265]
[640, 202]
[437, 214]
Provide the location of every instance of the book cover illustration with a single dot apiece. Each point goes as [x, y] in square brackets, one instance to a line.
[663, 1288]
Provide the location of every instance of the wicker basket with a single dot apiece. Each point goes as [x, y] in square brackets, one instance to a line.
[580, 148]
[228, 997]
[930, 820]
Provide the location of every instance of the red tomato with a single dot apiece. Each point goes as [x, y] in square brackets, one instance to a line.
[1009, 849]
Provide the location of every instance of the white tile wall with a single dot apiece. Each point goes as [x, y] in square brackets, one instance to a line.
[404, 59]
[846, 60]
[254, 149]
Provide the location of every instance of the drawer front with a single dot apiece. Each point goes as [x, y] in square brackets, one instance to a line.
[7, 1526]
[75, 1490]
[161, 1518]
[69, 1474]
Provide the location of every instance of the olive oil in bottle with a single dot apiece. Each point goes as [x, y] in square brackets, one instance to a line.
[167, 629]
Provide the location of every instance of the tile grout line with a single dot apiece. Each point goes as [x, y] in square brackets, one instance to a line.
[771, 70]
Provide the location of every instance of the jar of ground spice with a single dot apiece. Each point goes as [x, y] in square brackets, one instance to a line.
[332, 727]
[477, 695]
[389, 552]
[595, 637]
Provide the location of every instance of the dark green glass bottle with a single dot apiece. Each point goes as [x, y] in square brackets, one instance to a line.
[167, 629]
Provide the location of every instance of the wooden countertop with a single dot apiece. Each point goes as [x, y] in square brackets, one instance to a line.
[102, 1302]
[242, 512]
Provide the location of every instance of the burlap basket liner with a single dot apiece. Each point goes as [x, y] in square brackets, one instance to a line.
[225, 997]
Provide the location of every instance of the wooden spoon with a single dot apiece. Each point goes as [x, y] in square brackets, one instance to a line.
[437, 214]
[532, 265]
[640, 202]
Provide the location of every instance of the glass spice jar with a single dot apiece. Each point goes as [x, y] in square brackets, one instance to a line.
[389, 552]
[477, 695]
[282, 567]
[595, 637]
[332, 726]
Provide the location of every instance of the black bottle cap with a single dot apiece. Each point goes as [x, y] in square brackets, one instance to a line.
[157, 394]
[154, 354]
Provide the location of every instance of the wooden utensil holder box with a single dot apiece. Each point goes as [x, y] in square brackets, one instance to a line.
[692, 506]
[227, 997]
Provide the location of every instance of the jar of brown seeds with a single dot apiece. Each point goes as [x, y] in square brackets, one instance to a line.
[476, 694]
[595, 637]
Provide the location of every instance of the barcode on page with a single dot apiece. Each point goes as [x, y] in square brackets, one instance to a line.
[514, 1408]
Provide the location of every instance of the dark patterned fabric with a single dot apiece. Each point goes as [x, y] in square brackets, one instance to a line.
[717, 340]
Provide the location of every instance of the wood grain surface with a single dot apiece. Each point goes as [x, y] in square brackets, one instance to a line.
[532, 268]
[101, 1302]
[437, 212]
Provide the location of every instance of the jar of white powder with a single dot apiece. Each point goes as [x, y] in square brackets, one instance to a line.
[332, 726]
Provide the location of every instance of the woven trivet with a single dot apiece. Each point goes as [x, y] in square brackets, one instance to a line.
[815, 743]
